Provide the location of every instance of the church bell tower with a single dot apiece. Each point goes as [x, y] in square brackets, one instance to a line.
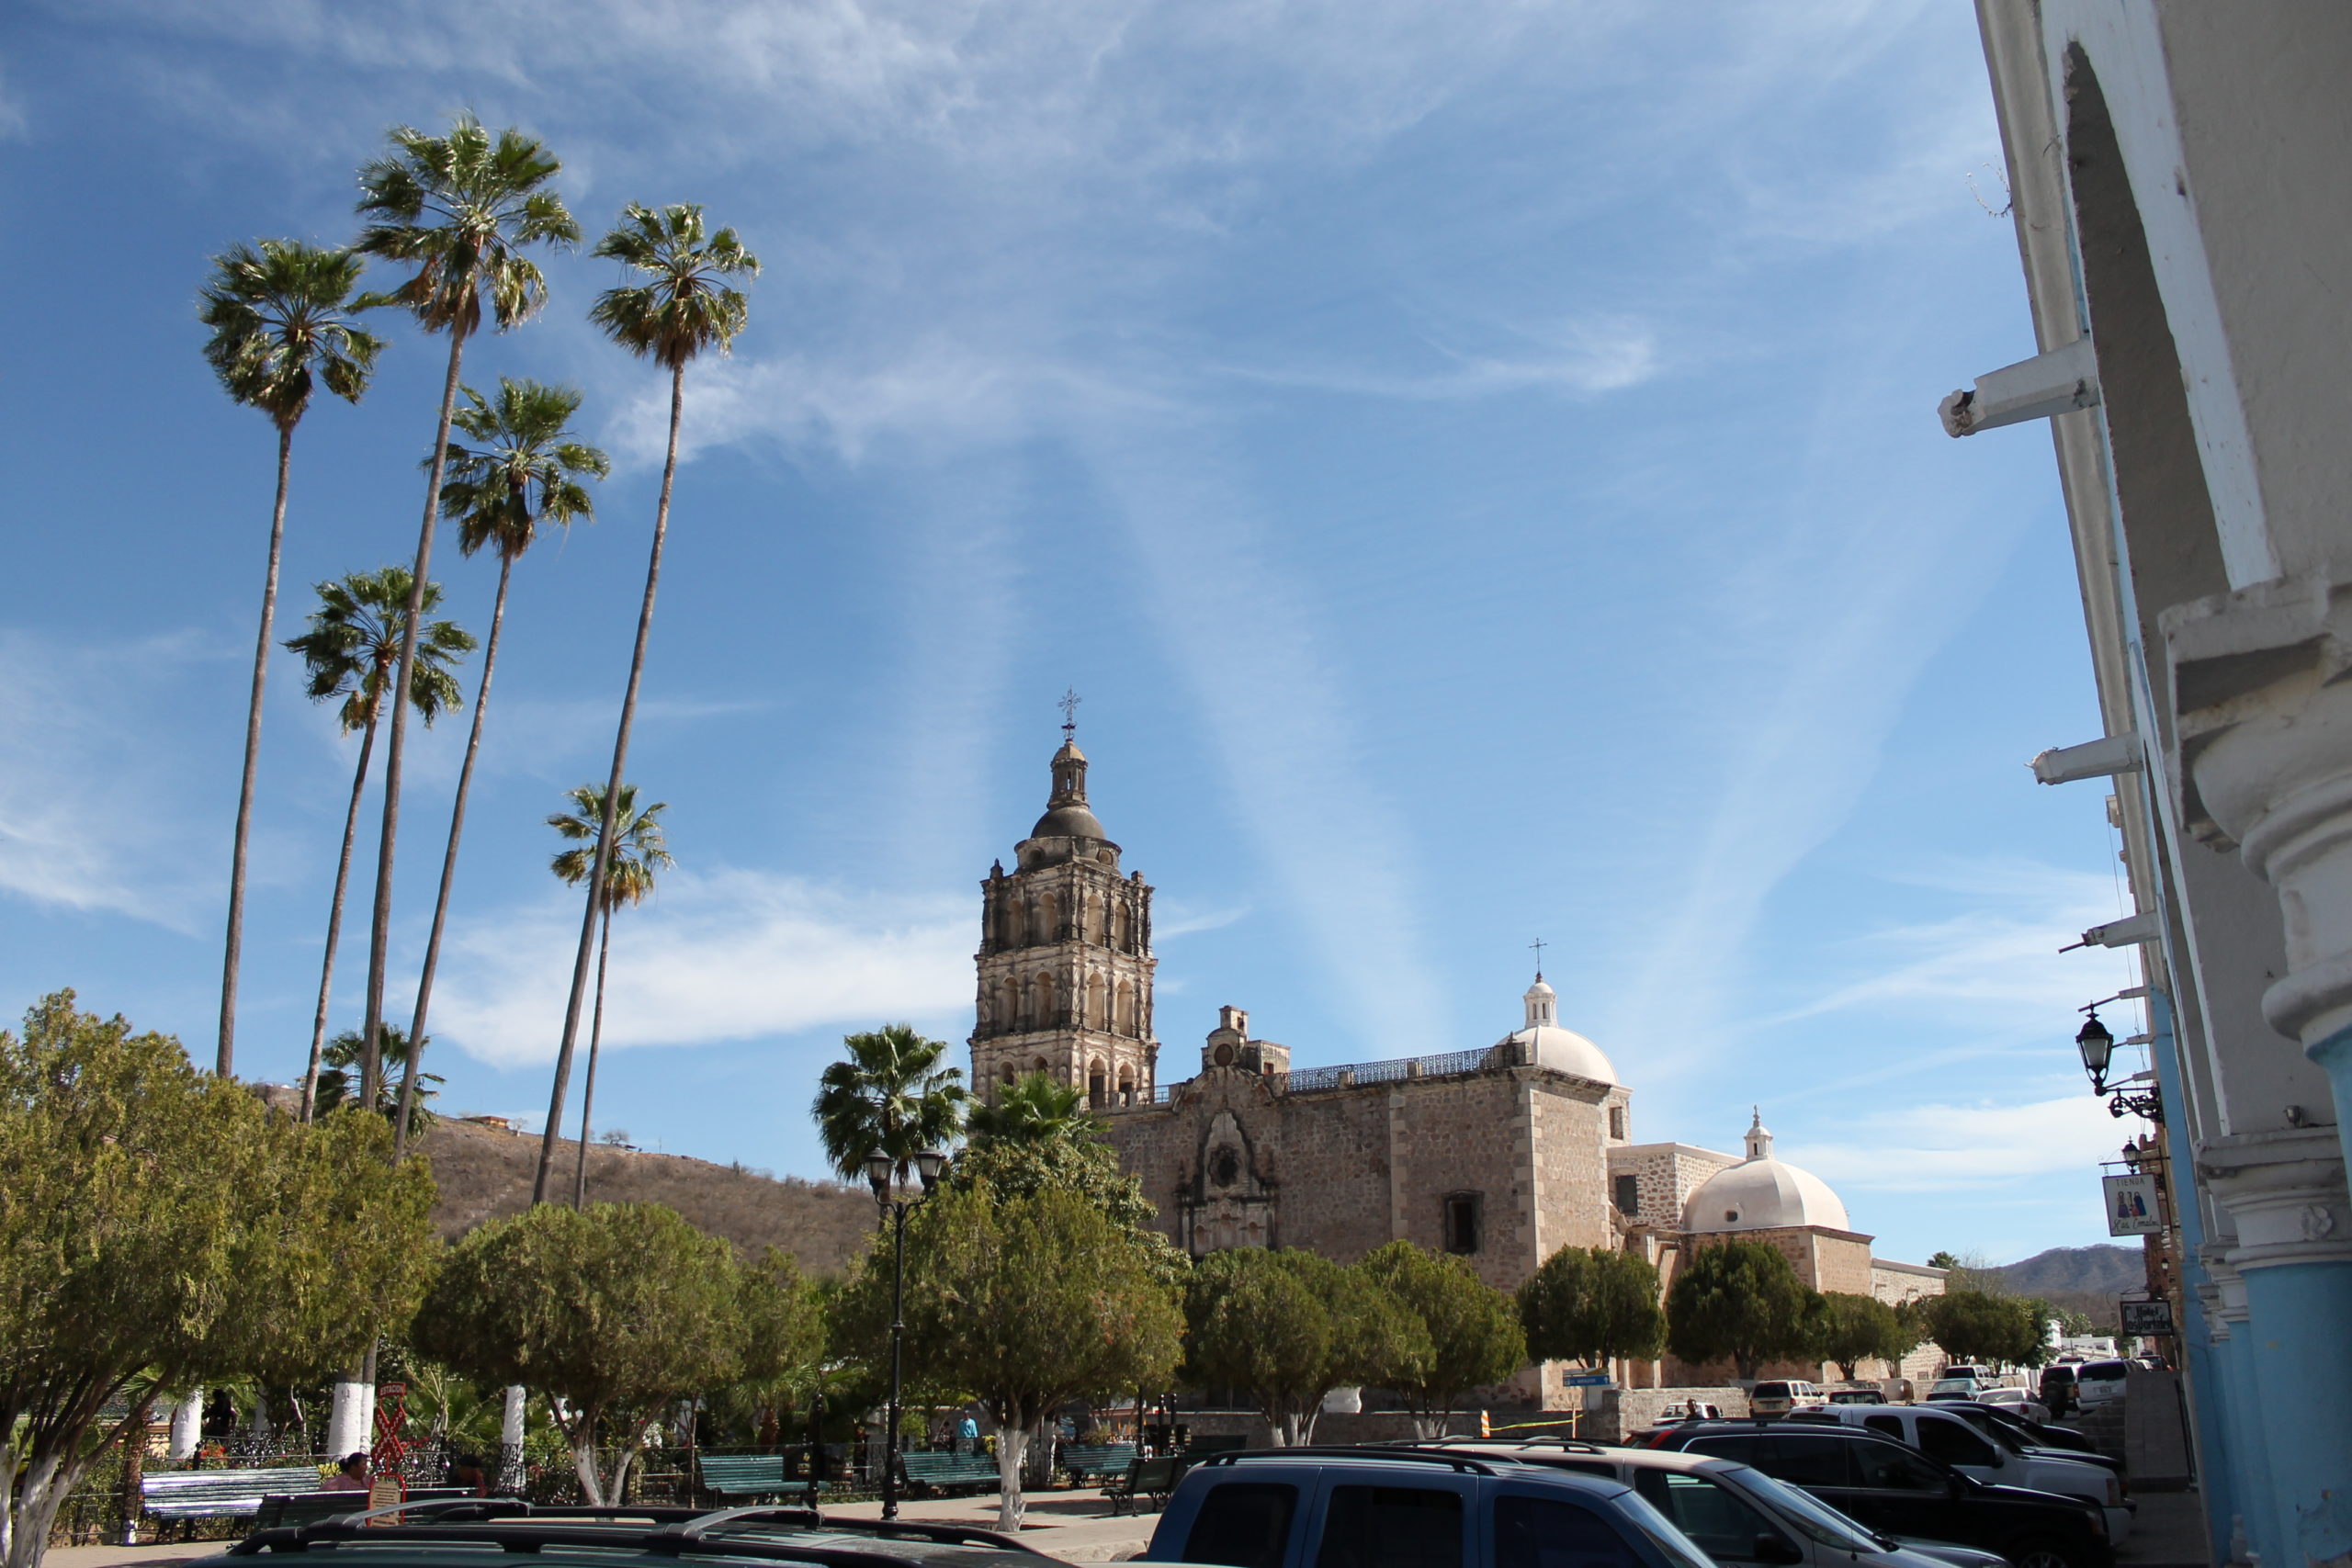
[1065, 959]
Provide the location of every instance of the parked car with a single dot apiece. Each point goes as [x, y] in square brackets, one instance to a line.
[2058, 1387]
[2099, 1382]
[1992, 1455]
[1954, 1388]
[1411, 1508]
[1891, 1487]
[1974, 1374]
[1778, 1396]
[2017, 1399]
[2063, 1441]
[1856, 1396]
[1731, 1509]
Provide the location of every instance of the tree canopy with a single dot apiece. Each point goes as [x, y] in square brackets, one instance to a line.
[1029, 1302]
[893, 1092]
[1473, 1333]
[1972, 1325]
[160, 1228]
[1591, 1304]
[1034, 1110]
[616, 1309]
[1736, 1301]
[1850, 1329]
[1286, 1328]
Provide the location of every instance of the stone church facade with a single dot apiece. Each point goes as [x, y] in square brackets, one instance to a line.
[1501, 1154]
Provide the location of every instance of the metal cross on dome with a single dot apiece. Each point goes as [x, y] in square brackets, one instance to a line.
[1539, 944]
[1069, 705]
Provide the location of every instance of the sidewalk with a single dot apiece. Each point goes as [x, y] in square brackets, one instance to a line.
[2168, 1532]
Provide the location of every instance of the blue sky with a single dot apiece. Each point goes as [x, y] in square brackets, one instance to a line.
[1477, 462]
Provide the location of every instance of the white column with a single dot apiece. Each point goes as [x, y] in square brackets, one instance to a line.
[188, 1422]
[348, 1421]
[510, 1424]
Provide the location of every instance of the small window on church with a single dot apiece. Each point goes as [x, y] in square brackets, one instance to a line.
[1462, 1223]
[1629, 1194]
[1617, 1122]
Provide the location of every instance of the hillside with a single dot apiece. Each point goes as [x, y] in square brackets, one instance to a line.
[485, 1173]
[2103, 1268]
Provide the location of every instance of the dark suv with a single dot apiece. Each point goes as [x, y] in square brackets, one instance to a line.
[1904, 1492]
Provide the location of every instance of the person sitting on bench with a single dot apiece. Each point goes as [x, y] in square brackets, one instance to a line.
[351, 1475]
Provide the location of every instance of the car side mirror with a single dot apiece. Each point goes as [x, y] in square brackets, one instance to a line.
[1777, 1550]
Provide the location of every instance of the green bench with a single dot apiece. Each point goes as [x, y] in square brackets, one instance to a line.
[750, 1475]
[1097, 1460]
[210, 1494]
[1145, 1478]
[946, 1471]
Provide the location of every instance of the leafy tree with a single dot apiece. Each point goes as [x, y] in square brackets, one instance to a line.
[1738, 1301]
[1027, 1302]
[1473, 1333]
[1940, 1259]
[337, 1090]
[1850, 1329]
[891, 1092]
[160, 1228]
[1974, 1326]
[638, 850]
[457, 210]
[279, 315]
[682, 310]
[1288, 1326]
[1036, 1109]
[350, 652]
[1085, 1168]
[1591, 1304]
[616, 1310]
[528, 470]
[2074, 1322]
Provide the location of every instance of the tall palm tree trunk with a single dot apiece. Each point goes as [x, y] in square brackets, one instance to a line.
[225, 1059]
[334, 914]
[379, 927]
[448, 868]
[612, 800]
[595, 1038]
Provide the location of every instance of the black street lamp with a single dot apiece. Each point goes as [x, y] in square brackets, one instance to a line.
[879, 1167]
[2098, 1047]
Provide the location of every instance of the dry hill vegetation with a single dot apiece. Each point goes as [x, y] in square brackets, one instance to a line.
[485, 1173]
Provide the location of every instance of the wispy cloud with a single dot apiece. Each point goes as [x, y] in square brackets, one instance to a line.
[91, 815]
[1587, 357]
[1958, 1147]
[725, 956]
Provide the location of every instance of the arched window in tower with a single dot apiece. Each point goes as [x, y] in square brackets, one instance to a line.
[1010, 1078]
[1040, 994]
[1122, 1010]
[1096, 1002]
[1126, 1085]
[1117, 936]
[1096, 1083]
[1047, 916]
[1008, 1004]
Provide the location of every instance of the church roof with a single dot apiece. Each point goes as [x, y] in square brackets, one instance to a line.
[1562, 1050]
[1067, 813]
[1762, 1193]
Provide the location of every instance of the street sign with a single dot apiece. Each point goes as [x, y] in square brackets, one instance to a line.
[2147, 1317]
[1585, 1379]
[2132, 1204]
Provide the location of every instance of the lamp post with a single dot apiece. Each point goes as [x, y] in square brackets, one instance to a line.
[2097, 1045]
[879, 1167]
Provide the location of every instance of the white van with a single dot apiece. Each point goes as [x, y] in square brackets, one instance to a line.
[1778, 1396]
[2096, 1382]
[1988, 1456]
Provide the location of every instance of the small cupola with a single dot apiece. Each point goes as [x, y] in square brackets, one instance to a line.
[1759, 1137]
[1542, 1005]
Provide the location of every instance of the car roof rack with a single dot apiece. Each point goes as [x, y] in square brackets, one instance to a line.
[1546, 1444]
[1422, 1456]
[676, 1530]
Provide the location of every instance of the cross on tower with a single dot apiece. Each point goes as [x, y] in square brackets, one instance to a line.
[1539, 944]
[1069, 705]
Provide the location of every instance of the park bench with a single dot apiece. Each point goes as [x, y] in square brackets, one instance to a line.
[209, 1493]
[942, 1471]
[297, 1509]
[1152, 1478]
[1096, 1460]
[750, 1475]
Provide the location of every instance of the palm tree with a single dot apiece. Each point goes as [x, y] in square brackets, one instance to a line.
[336, 1089]
[638, 850]
[351, 650]
[459, 208]
[1038, 1109]
[525, 472]
[682, 310]
[279, 329]
[889, 1094]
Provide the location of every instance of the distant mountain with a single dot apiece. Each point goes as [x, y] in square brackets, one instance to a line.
[2107, 1270]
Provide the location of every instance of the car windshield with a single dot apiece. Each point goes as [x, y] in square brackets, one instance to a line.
[1808, 1512]
[1671, 1542]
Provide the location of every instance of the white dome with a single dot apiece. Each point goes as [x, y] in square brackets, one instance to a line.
[1762, 1193]
[1562, 1050]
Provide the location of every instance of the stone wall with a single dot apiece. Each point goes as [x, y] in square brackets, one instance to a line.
[1665, 1177]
